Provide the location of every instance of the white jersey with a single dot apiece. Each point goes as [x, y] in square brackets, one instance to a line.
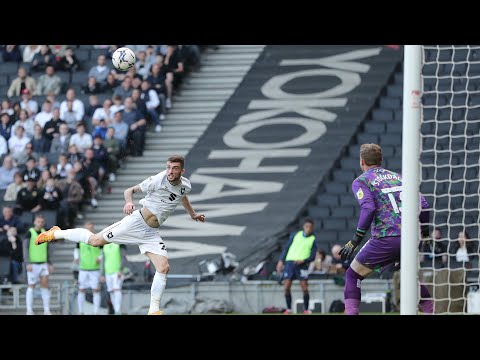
[162, 197]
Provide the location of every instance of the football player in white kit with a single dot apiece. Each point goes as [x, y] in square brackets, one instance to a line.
[164, 191]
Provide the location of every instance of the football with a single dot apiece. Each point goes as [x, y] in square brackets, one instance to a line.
[123, 58]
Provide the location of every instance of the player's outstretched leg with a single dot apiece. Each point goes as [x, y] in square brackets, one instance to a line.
[75, 235]
[426, 305]
[353, 292]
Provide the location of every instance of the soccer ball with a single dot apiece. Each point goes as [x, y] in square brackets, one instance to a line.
[123, 58]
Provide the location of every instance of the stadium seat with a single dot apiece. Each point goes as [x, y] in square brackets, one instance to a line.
[327, 200]
[334, 224]
[375, 127]
[335, 188]
[366, 138]
[27, 219]
[390, 103]
[344, 212]
[350, 162]
[394, 127]
[318, 212]
[344, 176]
[395, 90]
[382, 114]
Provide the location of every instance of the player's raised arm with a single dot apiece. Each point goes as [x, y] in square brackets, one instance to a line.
[188, 206]
[128, 195]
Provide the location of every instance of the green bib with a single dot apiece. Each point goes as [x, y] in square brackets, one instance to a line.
[301, 247]
[112, 259]
[37, 253]
[88, 257]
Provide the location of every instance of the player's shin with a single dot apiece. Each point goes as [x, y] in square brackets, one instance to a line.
[158, 285]
[353, 292]
[75, 235]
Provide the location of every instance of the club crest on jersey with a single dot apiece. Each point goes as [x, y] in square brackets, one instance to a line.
[360, 194]
[182, 191]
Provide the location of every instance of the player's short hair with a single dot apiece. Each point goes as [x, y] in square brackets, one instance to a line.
[371, 154]
[178, 159]
[308, 220]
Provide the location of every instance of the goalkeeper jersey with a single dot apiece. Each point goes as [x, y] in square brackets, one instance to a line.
[379, 194]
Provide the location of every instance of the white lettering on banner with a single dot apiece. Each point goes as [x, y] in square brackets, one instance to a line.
[313, 114]
[251, 160]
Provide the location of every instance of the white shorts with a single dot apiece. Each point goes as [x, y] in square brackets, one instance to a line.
[114, 282]
[133, 230]
[89, 279]
[37, 271]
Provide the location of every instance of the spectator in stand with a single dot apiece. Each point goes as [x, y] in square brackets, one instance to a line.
[42, 182]
[139, 103]
[69, 61]
[73, 154]
[52, 99]
[89, 259]
[21, 158]
[40, 143]
[52, 127]
[7, 172]
[11, 53]
[42, 59]
[16, 254]
[463, 252]
[157, 78]
[150, 56]
[14, 187]
[49, 82]
[29, 52]
[9, 219]
[152, 102]
[117, 104]
[93, 105]
[94, 169]
[110, 84]
[63, 166]
[6, 107]
[339, 266]
[121, 131]
[51, 196]
[16, 111]
[31, 170]
[29, 104]
[43, 163]
[321, 264]
[3, 146]
[125, 89]
[77, 106]
[61, 141]
[113, 149]
[433, 252]
[81, 139]
[58, 51]
[100, 130]
[136, 82]
[143, 67]
[174, 69]
[100, 155]
[53, 172]
[72, 193]
[45, 115]
[136, 127]
[103, 113]
[5, 126]
[28, 198]
[92, 87]
[38, 265]
[100, 71]
[294, 262]
[22, 81]
[17, 143]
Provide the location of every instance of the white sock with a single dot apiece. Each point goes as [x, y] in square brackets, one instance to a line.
[46, 299]
[76, 235]
[117, 301]
[80, 301]
[158, 285]
[96, 302]
[29, 299]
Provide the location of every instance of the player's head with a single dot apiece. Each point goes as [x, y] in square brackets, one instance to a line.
[175, 168]
[39, 221]
[370, 155]
[308, 225]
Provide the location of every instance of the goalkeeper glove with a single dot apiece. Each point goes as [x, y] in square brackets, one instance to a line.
[347, 251]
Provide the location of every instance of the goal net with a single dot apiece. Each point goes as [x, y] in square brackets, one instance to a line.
[449, 175]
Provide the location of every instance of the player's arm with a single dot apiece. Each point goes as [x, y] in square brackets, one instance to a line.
[313, 253]
[283, 255]
[128, 195]
[367, 212]
[188, 206]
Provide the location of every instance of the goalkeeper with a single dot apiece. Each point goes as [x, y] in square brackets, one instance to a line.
[377, 191]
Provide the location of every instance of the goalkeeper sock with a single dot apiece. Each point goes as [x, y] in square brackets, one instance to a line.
[353, 292]
[426, 304]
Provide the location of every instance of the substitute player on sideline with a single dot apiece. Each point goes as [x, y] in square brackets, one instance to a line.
[164, 191]
[378, 192]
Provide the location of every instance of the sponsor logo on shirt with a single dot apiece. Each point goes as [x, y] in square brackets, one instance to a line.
[360, 194]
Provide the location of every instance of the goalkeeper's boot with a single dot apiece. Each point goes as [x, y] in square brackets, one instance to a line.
[159, 312]
[46, 236]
